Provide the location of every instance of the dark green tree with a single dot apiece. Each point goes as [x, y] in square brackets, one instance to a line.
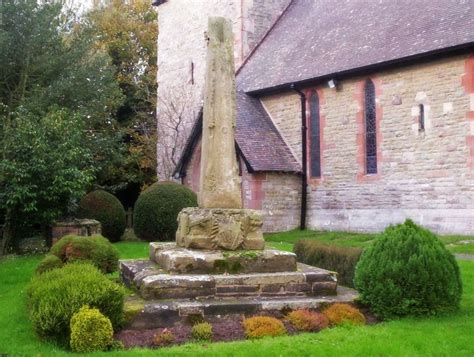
[58, 101]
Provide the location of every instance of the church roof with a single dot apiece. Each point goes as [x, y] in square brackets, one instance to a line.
[325, 38]
[258, 141]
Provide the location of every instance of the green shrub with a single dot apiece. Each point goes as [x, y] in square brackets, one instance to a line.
[338, 314]
[156, 210]
[90, 331]
[306, 320]
[55, 296]
[49, 262]
[107, 209]
[96, 249]
[408, 271]
[262, 326]
[343, 260]
[202, 331]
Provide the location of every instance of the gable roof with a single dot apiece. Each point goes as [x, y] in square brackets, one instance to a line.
[258, 141]
[321, 38]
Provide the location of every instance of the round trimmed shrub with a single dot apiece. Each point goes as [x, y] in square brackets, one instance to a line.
[55, 296]
[107, 209]
[164, 338]
[202, 331]
[90, 331]
[408, 271]
[156, 210]
[306, 320]
[49, 262]
[96, 249]
[338, 314]
[262, 326]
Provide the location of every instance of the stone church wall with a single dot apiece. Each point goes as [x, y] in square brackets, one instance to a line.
[424, 175]
[276, 195]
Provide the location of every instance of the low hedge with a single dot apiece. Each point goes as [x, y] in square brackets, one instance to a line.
[96, 249]
[55, 296]
[343, 260]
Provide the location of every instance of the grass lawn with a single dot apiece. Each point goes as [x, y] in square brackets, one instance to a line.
[436, 336]
[285, 240]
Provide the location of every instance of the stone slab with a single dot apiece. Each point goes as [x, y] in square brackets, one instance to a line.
[175, 259]
[153, 283]
[159, 314]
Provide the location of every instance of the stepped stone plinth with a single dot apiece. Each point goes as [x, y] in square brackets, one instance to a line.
[153, 282]
[177, 260]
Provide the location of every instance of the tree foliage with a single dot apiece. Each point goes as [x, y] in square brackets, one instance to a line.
[58, 98]
[127, 31]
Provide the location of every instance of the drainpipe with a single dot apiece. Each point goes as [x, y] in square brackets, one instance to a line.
[304, 164]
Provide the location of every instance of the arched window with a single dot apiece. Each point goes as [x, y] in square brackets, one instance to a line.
[315, 147]
[370, 129]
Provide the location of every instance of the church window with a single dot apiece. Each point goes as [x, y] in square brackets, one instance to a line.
[422, 118]
[315, 141]
[370, 128]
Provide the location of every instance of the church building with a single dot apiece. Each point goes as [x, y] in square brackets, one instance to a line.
[351, 114]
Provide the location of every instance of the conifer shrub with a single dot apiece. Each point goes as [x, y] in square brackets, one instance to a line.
[164, 338]
[408, 271]
[91, 331]
[263, 326]
[55, 296]
[338, 314]
[107, 209]
[49, 262]
[342, 260]
[306, 320]
[156, 210]
[202, 331]
[96, 249]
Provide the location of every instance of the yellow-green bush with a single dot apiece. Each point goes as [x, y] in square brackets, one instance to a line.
[306, 320]
[262, 326]
[202, 331]
[90, 331]
[49, 262]
[55, 296]
[338, 314]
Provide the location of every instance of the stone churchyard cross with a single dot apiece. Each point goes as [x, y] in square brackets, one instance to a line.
[219, 222]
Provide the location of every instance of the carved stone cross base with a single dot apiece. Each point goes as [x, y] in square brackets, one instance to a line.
[218, 228]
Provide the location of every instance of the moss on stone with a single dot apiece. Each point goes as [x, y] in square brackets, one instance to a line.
[132, 307]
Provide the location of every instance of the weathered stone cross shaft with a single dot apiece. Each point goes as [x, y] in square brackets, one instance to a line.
[219, 222]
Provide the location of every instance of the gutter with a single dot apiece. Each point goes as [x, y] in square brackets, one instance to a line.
[304, 163]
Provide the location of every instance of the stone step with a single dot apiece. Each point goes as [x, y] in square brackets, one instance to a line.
[154, 283]
[158, 314]
[174, 259]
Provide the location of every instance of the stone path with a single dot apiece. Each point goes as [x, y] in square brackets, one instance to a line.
[465, 256]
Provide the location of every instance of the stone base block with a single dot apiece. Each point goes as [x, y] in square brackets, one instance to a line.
[159, 314]
[173, 259]
[217, 228]
[154, 283]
